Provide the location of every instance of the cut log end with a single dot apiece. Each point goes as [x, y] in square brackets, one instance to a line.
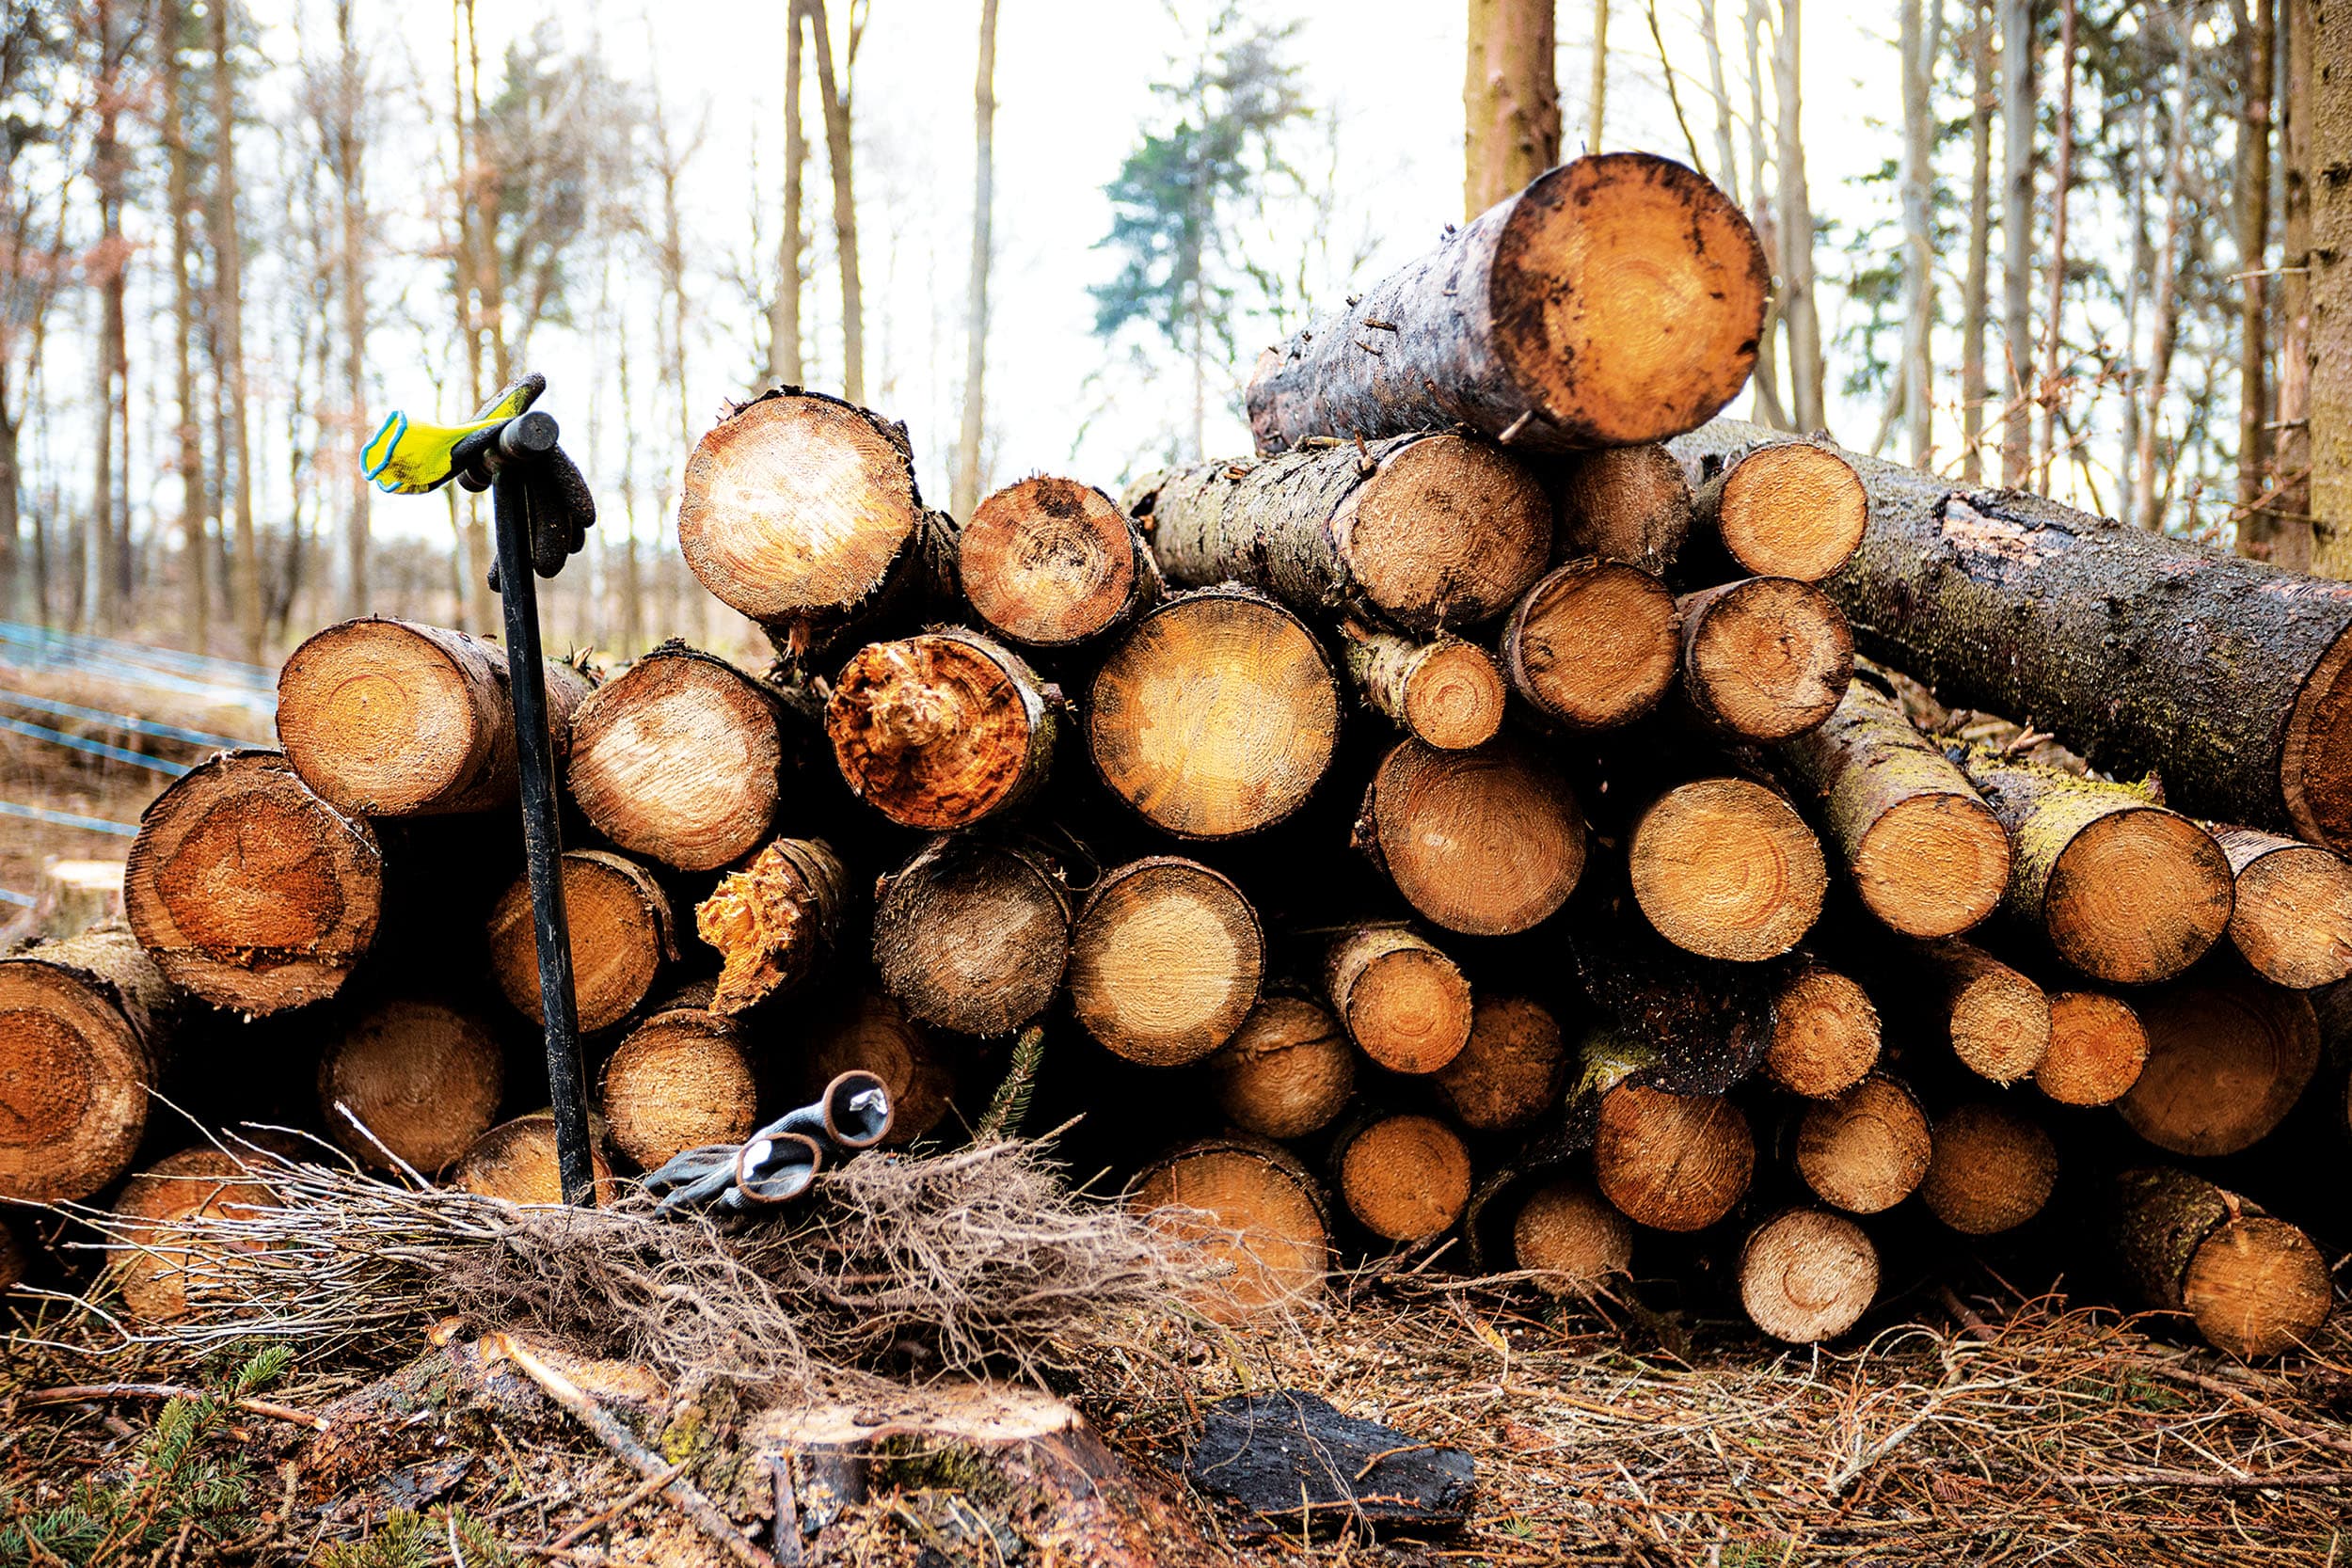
[1671, 1161]
[681, 1080]
[2292, 920]
[1448, 533]
[516, 1160]
[1727, 869]
[1511, 1070]
[1933, 865]
[774, 922]
[1487, 843]
[1403, 1001]
[2258, 1287]
[1050, 563]
[1825, 1034]
[973, 934]
[1628, 294]
[75, 1066]
[2227, 1059]
[2315, 760]
[1999, 1020]
[1867, 1149]
[1791, 509]
[619, 920]
[1406, 1178]
[1216, 716]
[1249, 1205]
[872, 1033]
[1807, 1275]
[1569, 1237]
[165, 1267]
[1993, 1169]
[2097, 1049]
[1287, 1073]
[1453, 698]
[1595, 644]
[1165, 961]
[939, 731]
[1766, 658]
[424, 1078]
[679, 759]
[2138, 897]
[1624, 503]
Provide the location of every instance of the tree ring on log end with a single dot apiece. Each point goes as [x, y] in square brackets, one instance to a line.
[1627, 297]
[2293, 916]
[154, 1268]
[1287, 1071]
[2257, 1286]
[1595, 644]
[73, 1084]
[1406, 1178]
[516, 1161]
[1448, 533]
[619, 920]
[1807, 1275]
[1993, 1170]
[2138, 897]
[1727, 869]
[2097, 1049]
[1454, 697]
[1825, 1035]
[2227, 1059]
[1249, 1204]
[936, 731]
[1767, 658]
[1047, 562]
[380, 718]
[1793, 510]
[1569, 1237]
[973, 934]
[1867, 1149]
[1933, 865]
[1671, 1161]
[1999, 1022]
[422, 1078]
[680, 759]
[1165, 961]
[1486, 842]
[2316, 753]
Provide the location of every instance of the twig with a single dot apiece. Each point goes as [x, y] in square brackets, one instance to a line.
[637, 1495]
[2206, 1479]
[81, 1393]
[616, 1437]
[2283, 1421]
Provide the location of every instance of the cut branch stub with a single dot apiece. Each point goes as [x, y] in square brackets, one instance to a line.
[1425, 533]
[1619, 298]
[774, 922]
[1764, 658]
[422, 1077]
[1623, 503]
[1404, 1002]
[941, 730]
[1446, 693]
[680, 759]
[2292, 920]
[1164, 960]
[2227, 1056]
[389, 719]
[972, 933]
[1216, 715]
[249, 890]
[2253, 1284]
[1595, 644]
[1486, 842]
[1050, 563]
[1787, 509]
[84, 1025]
[1725, 868]
[621, 937]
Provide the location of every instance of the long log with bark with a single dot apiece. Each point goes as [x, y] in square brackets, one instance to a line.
[1619, 298]
[1425, 532]
[2146, 654]
[85, 1023]
[2253, 1284]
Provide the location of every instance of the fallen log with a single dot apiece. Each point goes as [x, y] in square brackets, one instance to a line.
[1765, 658]
[2097, 1049]
[1807, 1275]
[973, 934]
[1725, 868]
[1825, 1034]
[1594, 644]
[2227, 1056]
[1405, 1178]
[682, 1079]
[1446, 693]
[776, 923]
[2291, 917]
[1287, 1071]
[802, 511]
[1993, 1170]
[941, 730]
[424, 1078]
[1217, 715]
[252, 891]
[1866, 1150]
[1619, 298]
[2253, 1285]
[85, 1023]
[1510, 1071]
[681, 759]
[1926, 854]
[621, 938]
[1425, 533]
[391, 719]
[1671, 1161]
[1249, 1204]
[2126, 891]
[1052, 563]
[1402, 1000]
[1487, 843]
[1166, 958]
[1622, 503]
[1568, 1234]
[2141, 652]
[1781, 509]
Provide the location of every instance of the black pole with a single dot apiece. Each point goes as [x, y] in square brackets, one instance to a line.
[526, 440]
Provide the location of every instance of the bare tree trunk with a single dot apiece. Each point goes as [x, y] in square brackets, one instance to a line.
[835, 95]
[1807, 378]
[2017, 127]
[2328, 405]
[1976, 291]
[2061, 178]
[965, 493]
[783, 315]
[1768, 408]
[2257, 523]
[1727, 161]
[100, 569]
[350, 165]
[1922, 40]
[2291, 544]
[1600, 72]
[2135, 291]
[228, 312]
[2146, 506]
[478, 311]
[1510, 99]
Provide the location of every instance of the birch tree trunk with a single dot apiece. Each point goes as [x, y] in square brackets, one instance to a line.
[1768, 408]
[965, 492]
[2017, 126]
[99, 567]
[349, 158]
[833, 94]
[2291, 544]
[188, 456]
[2257, 516]
[1976, 292]
[227, 310]
[1799, 308]
[1510, 99]
[784, 312]
[2061, 178]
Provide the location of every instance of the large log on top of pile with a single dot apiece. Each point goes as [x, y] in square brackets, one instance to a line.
[389, 719]
[1619, 298]
[84, 1025]
[2225, 677]
[1424, 531]
[800, 511]
[250, 889]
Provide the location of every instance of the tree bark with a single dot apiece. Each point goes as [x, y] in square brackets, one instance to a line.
[1166, 959]
[2257, 476]
[1405, 1178]
[776, 923]
[2126, 891]
[621, 939]
[1403, 1002]
[1463, 335]
[1623, 503]
[1671, 1161]
[1866, 1150]
[2061, 179]
[973, 934]
[1784, 509]
[2097, 1049]
[187, 449]
[2291, 541]
[1993, 1169]
[1217, 715]
[349, 158]
[1571, 1238]
[2253, 1285]
[1488, 841]
[1288, 1071]
[1594, 644]
[784, 311]
[942, 730]
[2228, 1057]
[1799, 307]
[1673, 1020]
[252, 891]
[85, 1023]
[2291, 918]
[424, 1078]
[1807, 1275]
[1825, 1032]
[1927, 855]
[1768, 410]
[228, 314]
[1445, 694]
[1052, 563]
[1510, 99]
[103, 574]
[1248, 1203]
[2018, 105]
[1427, 533]
[1766, 658]
[390, 719]
[681, 759]
[2330, 405]
[965, 492]
[2140, 653]
[1725, 868]
[833, 96]
[1976, 290]
[683, 1079]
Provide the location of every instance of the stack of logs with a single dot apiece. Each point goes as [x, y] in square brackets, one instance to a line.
[1467, 819]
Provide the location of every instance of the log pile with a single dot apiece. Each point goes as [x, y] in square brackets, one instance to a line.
[1503, 809]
